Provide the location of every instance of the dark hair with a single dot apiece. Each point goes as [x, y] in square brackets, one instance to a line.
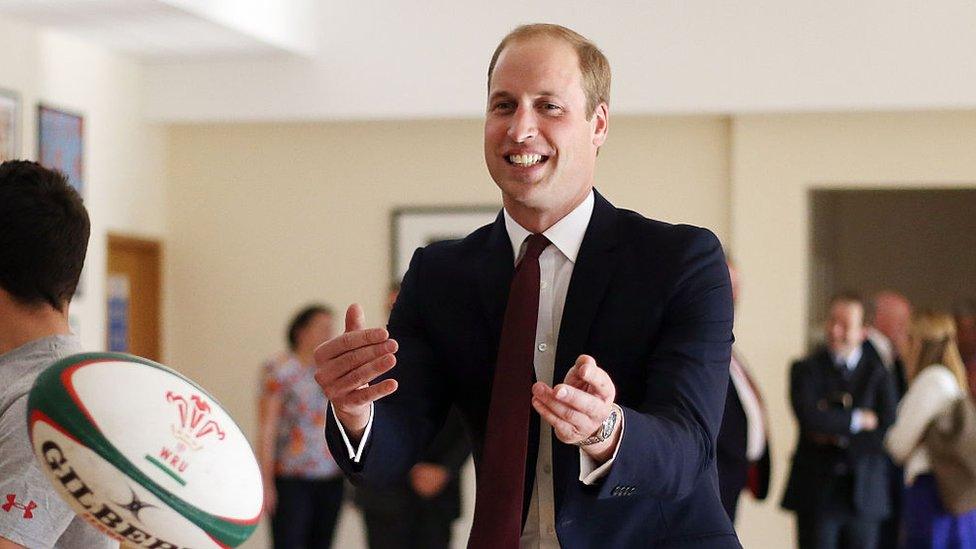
[847, 297]
[301, 320]
[44, 231]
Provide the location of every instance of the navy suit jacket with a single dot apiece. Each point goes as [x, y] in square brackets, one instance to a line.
[651, 302]
[815, 383]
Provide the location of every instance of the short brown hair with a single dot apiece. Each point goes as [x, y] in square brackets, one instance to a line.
[594, 67]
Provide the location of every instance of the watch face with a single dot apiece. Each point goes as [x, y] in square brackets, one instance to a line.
[608, 424]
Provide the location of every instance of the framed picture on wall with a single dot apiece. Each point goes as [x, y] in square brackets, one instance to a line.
[60, 143]
[9, 125]
[419, 226]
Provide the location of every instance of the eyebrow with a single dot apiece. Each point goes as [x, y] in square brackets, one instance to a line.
[505, 94]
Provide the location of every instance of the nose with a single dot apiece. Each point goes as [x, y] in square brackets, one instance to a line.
[523, 126]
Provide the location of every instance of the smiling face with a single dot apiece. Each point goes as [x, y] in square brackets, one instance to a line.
[845, 327]
[540, 141]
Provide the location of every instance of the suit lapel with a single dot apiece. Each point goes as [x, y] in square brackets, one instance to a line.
[495, 272]
[591, 275]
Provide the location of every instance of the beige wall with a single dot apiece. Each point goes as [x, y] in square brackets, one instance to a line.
[266, 217]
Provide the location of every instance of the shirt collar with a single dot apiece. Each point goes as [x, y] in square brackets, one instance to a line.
[851, 360]
[566, 234]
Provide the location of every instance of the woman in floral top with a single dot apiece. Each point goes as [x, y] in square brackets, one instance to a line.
[302, 484]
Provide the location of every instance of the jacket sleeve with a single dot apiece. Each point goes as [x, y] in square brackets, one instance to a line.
[808, 404]
[670, 436]
[886, 405]
[405, 422]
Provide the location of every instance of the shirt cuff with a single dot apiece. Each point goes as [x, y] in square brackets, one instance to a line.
[590, 470]
[856, 419]
[354, 454]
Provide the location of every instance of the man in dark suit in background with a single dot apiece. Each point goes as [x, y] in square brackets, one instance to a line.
[419, 511]
[889, 319]
[844, 400]
[743, 441]
[586, 347]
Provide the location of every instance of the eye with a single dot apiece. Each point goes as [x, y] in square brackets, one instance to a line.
[503, 106]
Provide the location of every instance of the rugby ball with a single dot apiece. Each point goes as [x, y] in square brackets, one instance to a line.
[144, 454]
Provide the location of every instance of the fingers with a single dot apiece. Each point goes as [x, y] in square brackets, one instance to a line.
[573, 414]
[569, 397]
[566, 431]
[355, 318]
[372, 393]
[344, 364]
[361, 375]
[349, 362]
[354, 369]
[348, 341]
[587, 376]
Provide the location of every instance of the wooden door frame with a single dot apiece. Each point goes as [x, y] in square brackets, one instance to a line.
[155, 247]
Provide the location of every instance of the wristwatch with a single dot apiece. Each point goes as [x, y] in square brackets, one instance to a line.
[605, 430]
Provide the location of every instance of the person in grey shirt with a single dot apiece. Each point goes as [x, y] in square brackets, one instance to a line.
[44, 232]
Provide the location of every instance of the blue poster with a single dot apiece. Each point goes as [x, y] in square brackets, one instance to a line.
[59, 144]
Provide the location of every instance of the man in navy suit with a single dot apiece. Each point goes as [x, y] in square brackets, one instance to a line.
[844, 400]
[598, 426]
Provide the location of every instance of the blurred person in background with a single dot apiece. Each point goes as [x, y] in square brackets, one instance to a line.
[889, 319]
[965, 317]
[419, 512]
[302, 484]
[742, 451]
[844, 400]
[936, 380]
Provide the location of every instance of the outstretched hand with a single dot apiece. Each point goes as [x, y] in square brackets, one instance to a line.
[348, 363]
[577, 407]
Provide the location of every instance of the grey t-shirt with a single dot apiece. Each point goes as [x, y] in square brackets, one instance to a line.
[31, 512]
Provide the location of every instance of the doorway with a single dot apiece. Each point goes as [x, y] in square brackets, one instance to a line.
[919, 242]
[134, 283]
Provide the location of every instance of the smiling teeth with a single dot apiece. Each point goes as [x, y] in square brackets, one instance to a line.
[525, 159]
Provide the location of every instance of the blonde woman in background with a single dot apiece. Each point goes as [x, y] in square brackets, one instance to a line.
[937, 378]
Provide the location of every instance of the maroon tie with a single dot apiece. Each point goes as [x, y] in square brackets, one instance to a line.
[501, 477]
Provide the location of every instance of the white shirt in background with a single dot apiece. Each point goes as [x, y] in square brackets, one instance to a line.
[755, 422]
[931, 393]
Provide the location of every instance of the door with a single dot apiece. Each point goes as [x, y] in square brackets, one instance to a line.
[134, 296]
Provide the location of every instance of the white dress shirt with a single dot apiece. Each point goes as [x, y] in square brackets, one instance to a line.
[755, 422]
[556, 269]
[931, 393]
[883, 345]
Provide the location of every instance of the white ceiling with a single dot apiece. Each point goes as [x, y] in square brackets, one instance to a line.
[156, 31]
[403, 59]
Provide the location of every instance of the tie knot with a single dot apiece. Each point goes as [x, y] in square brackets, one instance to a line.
[535, 244]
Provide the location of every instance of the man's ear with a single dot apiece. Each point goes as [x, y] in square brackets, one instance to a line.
[601, 124]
